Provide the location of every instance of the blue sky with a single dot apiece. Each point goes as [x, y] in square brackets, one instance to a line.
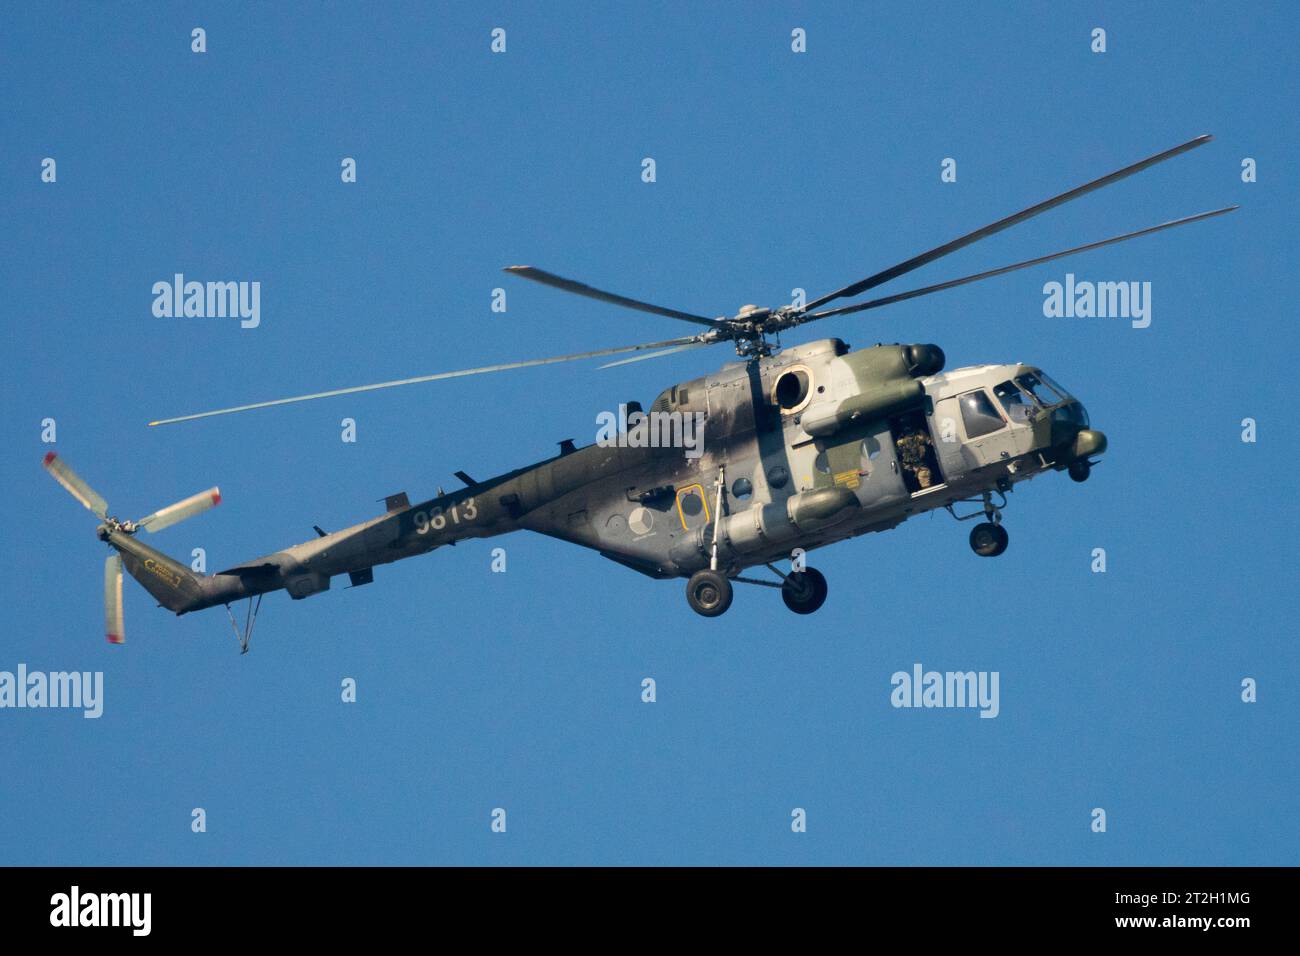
[522, 690]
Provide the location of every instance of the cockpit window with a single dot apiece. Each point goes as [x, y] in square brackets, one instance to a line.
[1073, 414]
[978, 414]
[1044, 394]
[1051, 383]
[1018, 406]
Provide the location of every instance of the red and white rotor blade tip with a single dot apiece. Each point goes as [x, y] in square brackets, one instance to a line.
[194, 504]
[76, 486]
[114, 628]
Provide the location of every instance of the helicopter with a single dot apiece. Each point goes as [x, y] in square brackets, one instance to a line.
[801, 447]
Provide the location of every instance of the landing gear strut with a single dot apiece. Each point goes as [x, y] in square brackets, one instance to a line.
[803, 591]
[709, 592]
[988, 539]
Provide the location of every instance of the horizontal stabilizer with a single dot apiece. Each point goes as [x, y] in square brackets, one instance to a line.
[252, 570]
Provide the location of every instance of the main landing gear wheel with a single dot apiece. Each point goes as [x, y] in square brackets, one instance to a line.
[708, 593]
[988, 540]
[804, 591]
[1080, 470]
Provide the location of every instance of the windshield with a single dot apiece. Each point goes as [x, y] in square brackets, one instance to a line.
[1073, 414]
[1053, 385]
[1043, 393]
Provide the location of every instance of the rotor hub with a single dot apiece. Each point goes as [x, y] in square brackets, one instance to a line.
[112, 524]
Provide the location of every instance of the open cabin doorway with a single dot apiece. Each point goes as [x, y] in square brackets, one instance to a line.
[918, 462]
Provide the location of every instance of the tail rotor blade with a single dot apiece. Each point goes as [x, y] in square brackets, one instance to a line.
[194, 504]
[76, 486]
[114, 628]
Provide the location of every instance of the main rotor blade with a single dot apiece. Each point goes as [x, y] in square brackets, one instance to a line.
[114, 625]
[433, 378]
[186, 508]
[888, 300]
[653, 355]
[579, 288]
[938, 252]
[75, 484]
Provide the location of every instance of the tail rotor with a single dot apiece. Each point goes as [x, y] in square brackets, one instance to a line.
[114, 532]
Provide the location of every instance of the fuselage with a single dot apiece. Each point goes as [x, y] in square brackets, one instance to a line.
[800, 449]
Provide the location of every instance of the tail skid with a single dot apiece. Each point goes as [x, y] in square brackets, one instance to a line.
[176, 587]
[250, 618]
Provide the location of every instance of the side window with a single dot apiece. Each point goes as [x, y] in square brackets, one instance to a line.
[1014, 402]
[978, 414]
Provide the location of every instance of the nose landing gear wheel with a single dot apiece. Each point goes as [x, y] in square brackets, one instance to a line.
[1080, 470]
[804, 591]
[708, 593]
[988, 540]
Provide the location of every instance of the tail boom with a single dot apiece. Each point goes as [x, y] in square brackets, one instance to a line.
[174, 585]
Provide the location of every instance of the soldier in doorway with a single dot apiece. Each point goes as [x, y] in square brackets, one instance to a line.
[913, 448]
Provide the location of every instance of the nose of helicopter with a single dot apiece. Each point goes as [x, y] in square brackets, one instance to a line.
[1089, 442]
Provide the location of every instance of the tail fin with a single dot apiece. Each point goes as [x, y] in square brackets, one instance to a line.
[172, 583]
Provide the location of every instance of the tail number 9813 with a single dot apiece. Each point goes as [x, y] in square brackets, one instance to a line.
[437, 518]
